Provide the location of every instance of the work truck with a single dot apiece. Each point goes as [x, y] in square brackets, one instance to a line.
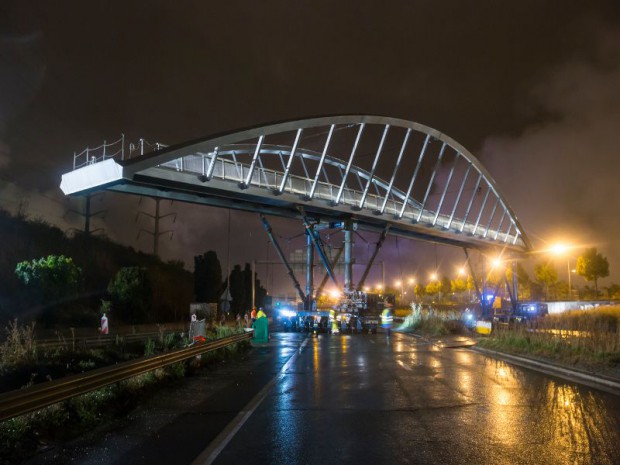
[362, 311]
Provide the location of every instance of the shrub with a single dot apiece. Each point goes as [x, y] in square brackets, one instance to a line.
[19, 346]
[149, 347]
[432, 322]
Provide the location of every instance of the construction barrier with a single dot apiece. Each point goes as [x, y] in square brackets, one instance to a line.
[484, 327]
[261, 331]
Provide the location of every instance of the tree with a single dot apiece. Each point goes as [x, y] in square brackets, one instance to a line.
[592, 266]
[207, 277]
[433, 288]
[131, 293]
[546, 276]
[261, 294]
[445, 288]
[524, 283]
[52, 278]
[419, 291]
[246, 297]
[471, 286]
[237, 290]
[613, 291]
[458, 286]
[247, 286]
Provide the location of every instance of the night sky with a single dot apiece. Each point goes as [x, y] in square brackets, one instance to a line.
[532, 88]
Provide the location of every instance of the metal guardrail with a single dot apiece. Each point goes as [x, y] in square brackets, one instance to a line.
[21, 401]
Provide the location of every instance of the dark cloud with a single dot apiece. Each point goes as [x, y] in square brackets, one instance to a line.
[561, 174]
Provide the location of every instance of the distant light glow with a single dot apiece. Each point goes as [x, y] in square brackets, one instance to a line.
[334, 293]
[411, 280]
[434, 277]
[559, 249]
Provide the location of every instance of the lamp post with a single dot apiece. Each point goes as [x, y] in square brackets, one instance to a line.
[497, 265]
[399, 283]
[570, 289]
[435, 277]
[462, 273]
[559, 250]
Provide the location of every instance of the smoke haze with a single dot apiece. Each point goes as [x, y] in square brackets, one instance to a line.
[561, 175]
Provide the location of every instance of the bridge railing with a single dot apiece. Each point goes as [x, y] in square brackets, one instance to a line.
[92, 155]
[118, 149]
[230, 169]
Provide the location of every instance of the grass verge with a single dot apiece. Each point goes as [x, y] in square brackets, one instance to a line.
[430, 322]
[586, 339]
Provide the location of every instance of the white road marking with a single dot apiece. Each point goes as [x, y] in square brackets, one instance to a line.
[209, 455]
[400, 362]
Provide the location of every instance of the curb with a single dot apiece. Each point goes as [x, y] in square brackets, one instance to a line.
[590, 379]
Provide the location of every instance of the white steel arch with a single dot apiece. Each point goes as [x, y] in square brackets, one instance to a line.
[374, 169]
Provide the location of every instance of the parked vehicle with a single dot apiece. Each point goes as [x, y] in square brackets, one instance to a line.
[530, 311]
[526, 311]
[361, 311]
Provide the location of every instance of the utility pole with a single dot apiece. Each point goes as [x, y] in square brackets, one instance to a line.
[87, 214]
[157, 217]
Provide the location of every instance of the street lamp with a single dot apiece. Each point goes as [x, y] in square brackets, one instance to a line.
[560, 250]
[399, 283]
[411, 284]
[462, 272]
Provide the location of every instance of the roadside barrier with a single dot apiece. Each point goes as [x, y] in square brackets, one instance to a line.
[21, 401]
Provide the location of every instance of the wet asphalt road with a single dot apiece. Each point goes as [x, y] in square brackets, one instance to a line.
[366, 399]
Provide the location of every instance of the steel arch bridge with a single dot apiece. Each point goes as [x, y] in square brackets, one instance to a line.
[376, 171]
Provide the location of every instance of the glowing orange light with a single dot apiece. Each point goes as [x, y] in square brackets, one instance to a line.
[559, 249]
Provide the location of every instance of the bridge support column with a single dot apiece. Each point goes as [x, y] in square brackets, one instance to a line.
[473, 275]
[348, 256]
[273, 241]
[515, 285]
[378, 245]
[308, 304]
